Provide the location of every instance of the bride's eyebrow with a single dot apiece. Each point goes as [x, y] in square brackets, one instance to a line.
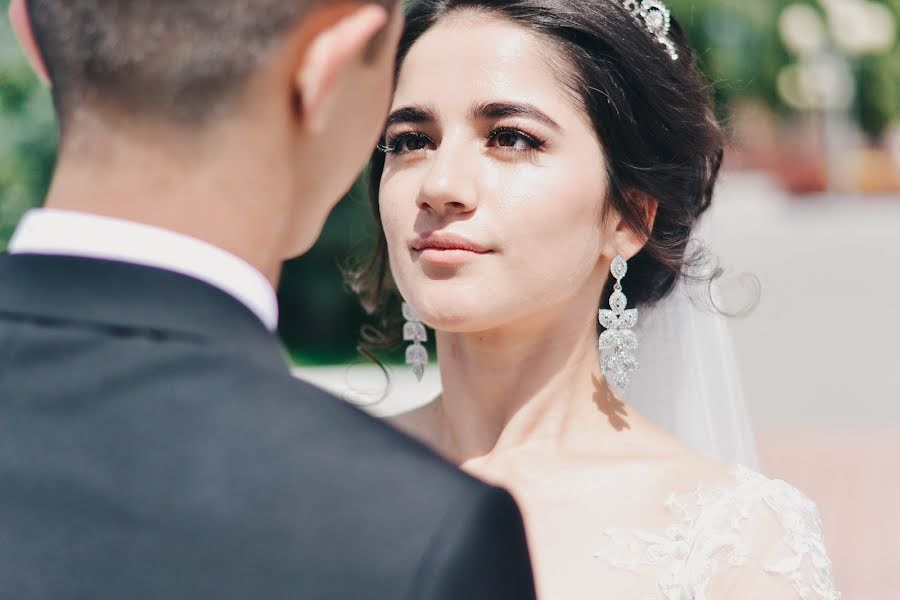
[411, 114]
[498, 110]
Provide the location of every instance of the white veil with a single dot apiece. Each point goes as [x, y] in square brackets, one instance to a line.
[688, 382]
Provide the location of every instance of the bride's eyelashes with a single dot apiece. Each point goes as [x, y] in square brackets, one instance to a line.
[504, 139]
[515, 140]
[406, 142]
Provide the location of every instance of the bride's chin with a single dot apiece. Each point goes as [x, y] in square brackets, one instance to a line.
[455, 319]
[446, 306]
[452, 323]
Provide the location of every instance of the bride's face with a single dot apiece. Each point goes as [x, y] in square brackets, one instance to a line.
[494, 180]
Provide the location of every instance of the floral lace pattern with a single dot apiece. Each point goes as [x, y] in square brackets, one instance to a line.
[709, 536]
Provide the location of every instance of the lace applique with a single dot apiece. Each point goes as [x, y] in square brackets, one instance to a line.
[806, 562]
[708, 536]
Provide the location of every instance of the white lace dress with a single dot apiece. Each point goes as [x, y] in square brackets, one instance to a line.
[756, 538]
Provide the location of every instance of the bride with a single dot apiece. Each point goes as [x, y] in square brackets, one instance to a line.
[541, 158]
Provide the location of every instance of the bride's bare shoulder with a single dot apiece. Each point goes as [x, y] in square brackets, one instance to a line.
[676, 463]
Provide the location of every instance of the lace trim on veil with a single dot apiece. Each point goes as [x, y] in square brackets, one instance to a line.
[709, 536]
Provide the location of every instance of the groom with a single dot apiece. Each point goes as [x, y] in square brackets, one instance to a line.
[153, 443]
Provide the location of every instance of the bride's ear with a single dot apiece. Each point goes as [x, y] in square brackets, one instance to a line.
[21, 25]
[336, 43]
[625, 239]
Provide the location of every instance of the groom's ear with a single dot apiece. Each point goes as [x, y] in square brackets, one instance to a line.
[21, 24]
[339, 41]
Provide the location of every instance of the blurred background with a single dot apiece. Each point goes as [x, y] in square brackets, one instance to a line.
[809, 203]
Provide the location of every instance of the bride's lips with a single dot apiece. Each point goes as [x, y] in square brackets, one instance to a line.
[446, 248]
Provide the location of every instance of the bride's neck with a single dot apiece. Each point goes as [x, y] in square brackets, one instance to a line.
[531, 384]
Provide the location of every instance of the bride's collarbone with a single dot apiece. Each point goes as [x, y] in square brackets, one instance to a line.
[611, 482]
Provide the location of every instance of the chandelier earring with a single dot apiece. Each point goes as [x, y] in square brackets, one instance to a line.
[619, 342]
[414, 331]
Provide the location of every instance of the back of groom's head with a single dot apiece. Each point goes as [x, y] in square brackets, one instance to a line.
[172, 110]
[182, 60]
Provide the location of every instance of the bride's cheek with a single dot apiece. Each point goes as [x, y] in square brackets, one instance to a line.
[391, 221]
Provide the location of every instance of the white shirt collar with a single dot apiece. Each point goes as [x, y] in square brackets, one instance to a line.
[67, 233]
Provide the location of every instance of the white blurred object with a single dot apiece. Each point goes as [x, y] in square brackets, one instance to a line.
[861, 26]
[824, 83]
[382, 393]
[802, 29]
[805, 363]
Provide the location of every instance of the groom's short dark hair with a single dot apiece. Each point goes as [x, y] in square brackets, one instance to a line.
[179, 60]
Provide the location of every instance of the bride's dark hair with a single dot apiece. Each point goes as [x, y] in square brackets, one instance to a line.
[652, 114]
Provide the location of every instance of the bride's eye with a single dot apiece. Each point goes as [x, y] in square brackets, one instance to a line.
[406, 142]
[509, 138]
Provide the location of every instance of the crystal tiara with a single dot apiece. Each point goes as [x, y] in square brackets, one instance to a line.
[656, 18]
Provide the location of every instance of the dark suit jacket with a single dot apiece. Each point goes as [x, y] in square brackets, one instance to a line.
[153, 444]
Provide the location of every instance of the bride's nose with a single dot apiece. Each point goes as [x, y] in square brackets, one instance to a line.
[449, 185]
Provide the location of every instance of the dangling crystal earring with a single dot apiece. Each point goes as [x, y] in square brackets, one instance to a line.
[414, 331]
[618, 342]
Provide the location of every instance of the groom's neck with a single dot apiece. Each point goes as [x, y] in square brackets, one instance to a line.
[216, 190]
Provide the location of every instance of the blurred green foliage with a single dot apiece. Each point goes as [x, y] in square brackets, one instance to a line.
[740, 49]
[27, 134]
[320, 317]
[742, 52]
